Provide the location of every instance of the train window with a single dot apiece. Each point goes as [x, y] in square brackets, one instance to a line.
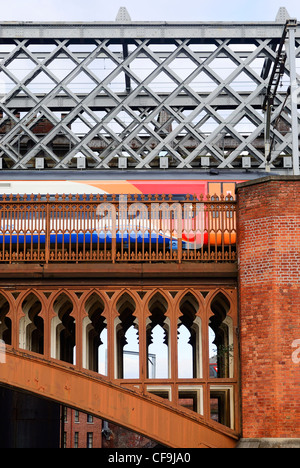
[215, 212]
[229, 209]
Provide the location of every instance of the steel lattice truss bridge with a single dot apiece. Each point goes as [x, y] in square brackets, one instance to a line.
[144, 95]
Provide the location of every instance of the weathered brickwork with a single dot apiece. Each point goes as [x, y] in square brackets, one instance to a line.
[269, 286]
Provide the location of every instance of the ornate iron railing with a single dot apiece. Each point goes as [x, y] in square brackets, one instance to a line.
[111, 228]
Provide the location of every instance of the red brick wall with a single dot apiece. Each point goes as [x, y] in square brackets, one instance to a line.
[81, 426]
[269, 289]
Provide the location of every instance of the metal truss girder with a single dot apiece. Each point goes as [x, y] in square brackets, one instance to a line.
[183, 96]
[144, 30]
[65, 103]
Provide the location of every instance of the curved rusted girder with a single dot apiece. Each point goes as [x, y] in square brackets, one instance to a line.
[96, 395]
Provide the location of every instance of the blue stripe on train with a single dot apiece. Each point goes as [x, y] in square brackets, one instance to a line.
[79, 238]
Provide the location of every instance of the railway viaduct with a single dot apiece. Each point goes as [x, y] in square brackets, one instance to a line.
[150, 185]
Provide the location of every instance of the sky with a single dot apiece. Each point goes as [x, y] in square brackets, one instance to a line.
[151, 10]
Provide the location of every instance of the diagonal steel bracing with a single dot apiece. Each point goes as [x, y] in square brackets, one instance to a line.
[110, 90]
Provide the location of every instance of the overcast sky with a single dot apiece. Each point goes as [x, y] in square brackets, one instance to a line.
[151, 10]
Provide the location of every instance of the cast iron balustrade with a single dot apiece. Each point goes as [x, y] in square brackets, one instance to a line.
[117, 228]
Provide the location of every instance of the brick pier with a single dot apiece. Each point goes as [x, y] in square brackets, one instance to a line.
[269, 295]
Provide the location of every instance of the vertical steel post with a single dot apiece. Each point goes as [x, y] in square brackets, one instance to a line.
[292, 24]
[267, 137]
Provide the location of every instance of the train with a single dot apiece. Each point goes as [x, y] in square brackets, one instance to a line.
[10, 235]
[38, 185]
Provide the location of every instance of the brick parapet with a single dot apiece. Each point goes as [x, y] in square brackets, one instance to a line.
[269, 304]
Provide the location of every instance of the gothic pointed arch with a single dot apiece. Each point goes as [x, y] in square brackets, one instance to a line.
[63, 328]
[5, 321]
[189, 332]
[94, 334]
[158, 337]
[195, 296]
[129, 295]
[66, 293]
[31, 324]
[221, 335]
[220, 296]
[126, 337]
[96, 293]
[159, 293]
